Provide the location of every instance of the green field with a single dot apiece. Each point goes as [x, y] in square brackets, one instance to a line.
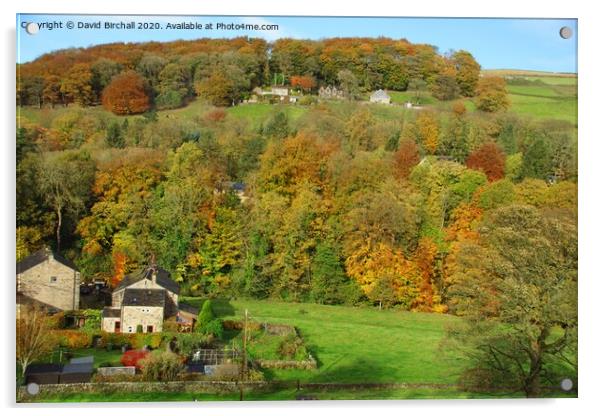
[548, 101]
[354, 345]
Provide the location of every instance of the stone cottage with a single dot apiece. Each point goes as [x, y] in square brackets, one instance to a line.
[47, 279]
[381, 97]
[142, 299]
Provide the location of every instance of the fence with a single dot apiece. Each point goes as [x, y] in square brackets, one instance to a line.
[214, 356]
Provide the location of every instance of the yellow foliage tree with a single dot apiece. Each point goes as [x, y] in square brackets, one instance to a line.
[384, 274]
[428, 131]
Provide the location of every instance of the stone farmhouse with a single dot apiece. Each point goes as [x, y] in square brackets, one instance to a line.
[144, 299]
[47, 279]
[331, 92]
[381, 97]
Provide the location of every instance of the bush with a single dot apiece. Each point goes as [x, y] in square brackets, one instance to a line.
[152, 340]
[163, 366]
[188, 343]
[292, 347]
[205, 316]
[73, 339]
[169, 99]
[93, 319]
[214, 328]
[133, 358]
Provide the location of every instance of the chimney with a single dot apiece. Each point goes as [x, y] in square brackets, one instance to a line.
[153, 267]
[49, 253]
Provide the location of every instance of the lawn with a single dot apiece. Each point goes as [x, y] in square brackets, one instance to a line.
[260, 112]
[101, 356]
[358, 344]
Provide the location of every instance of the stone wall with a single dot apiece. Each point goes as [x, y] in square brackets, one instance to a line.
[132, 316]
[141, 387]
[108, 324]
[116, 371]
[52, 283]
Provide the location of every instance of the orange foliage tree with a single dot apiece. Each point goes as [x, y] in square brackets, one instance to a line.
[425, 258]
[461, 230]
[489, 159]
[305, 82]
[406, 157]
[126, 94]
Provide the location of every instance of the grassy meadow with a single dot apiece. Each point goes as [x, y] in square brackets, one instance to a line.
[356, 345]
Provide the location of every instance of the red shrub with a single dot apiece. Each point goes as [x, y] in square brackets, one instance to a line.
[133, 357]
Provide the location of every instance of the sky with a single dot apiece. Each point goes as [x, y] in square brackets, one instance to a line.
[533, 44]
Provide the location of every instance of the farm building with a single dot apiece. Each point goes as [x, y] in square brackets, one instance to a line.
[47, 279]
[381, 97]
[144, 299]
[329, 92]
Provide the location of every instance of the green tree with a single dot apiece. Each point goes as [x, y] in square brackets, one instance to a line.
[114, 137]
[328, 279]
[65, 181]
[277, 126]
[537, 162]
[348, 83]
[519, 305]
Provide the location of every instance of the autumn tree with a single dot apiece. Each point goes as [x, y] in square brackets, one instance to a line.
[490, 159]
[406, 158]
[77, 85]
[492, 95]
[52, 91]
[467, 72]
[33, 336]
[359, 132]
[519, 305]
[126, 94]
[428, 131]
[303, 82]
[384, 274]
[425, 258]
[218, 89]
[445, 87]
[103, 70]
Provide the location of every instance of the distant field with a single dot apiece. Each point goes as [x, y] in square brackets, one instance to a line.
[545, 101]
[553, 96]
[526, 72]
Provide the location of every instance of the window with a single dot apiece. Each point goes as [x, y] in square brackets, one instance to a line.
[53, 279]
[149, 328]
[129, 329]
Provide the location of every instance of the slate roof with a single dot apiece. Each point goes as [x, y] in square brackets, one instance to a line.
[144, 297]
[188, 308]
[43, 368]
[79, 368]
[41, 256]
[111, 312]
[163, 279]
